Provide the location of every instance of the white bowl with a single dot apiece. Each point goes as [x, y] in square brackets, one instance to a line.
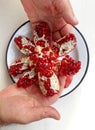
[81, 53]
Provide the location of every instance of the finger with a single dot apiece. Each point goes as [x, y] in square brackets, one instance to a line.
[68, 13]
[66, 29]
[39, 113]
[57, 23]
[62, 80]
[56, 35]
[64, 8]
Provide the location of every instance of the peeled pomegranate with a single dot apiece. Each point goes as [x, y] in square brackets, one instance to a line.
[41, 63]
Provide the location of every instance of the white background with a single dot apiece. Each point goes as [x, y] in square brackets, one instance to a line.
[78, 108]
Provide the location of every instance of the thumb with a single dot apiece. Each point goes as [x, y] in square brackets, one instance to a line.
[39, 113]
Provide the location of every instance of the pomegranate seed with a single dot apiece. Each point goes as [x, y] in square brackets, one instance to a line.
[15, 69]
[68, 37]
[47, 84]
[42, 28]
[24, 82]
[27, 80]
[19, 66]
[55, 49]
[51, 92]
[44, 67]
[69, 66]
[17, 40]
[41, 43]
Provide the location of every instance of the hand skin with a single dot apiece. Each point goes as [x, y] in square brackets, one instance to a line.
[19, 105]
[58, 13]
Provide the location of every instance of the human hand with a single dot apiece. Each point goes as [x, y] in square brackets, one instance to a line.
[18, 105]
[58, 13]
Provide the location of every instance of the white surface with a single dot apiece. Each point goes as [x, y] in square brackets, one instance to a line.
[77, 109]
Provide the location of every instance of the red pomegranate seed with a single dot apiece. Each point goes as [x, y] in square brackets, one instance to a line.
[15, 69]
[19, 66]
[34, 58]
[31, 49]
[27, 80]
[25, 45]
[69, 66]
[68, 37]
[47, 84]
[41, 43]
[51, 92]
[17, 40]
[44, 67]
[45, 50]
[24, 82]
[42, 28]
[55, 49]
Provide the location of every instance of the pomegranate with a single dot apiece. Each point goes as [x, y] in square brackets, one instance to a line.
[41, 64]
